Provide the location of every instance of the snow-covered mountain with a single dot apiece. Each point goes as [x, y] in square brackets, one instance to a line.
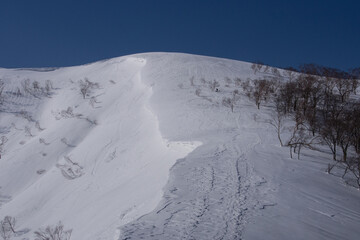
[144, 147]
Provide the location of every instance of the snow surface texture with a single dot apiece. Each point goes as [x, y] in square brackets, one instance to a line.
[152, 153]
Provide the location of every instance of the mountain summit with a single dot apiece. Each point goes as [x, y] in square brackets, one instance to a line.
[159, 146]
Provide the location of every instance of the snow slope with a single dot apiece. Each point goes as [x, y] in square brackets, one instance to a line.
[152, 153]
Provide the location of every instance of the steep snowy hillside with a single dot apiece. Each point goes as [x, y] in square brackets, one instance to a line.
[148, 147]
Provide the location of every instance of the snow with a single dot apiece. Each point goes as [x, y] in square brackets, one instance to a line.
[160, 161]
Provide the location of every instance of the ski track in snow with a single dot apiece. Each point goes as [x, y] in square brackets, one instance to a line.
[209, 196]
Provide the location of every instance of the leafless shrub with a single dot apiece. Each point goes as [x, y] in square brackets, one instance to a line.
[48, 88]
[246, 86]
[238, 82]
[3, 140]
[35, 89]
[27, 130]
[18, 92]
[192, 79]
[228, 80]
[275, 72]
[235, 92]
[289, 74]
[86, 86]
[7, 227]
[68, 113]
[266, 68]
[36, 85]
[2, 86]
[42, 140]
[70, 170]
[41, 171]
[66, 142]
[202, 80]
[26, 86]
[92, 121]
[53, 233]
[37, 125]
[228, 102]
[26, 115]
[93, 101]
[198, 92]
[49, 85]
[256, 67]
[214, 85]
[111, 156]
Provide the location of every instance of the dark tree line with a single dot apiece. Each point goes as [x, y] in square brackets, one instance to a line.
[324, 105]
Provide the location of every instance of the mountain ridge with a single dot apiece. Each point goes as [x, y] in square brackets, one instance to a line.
[143, 146]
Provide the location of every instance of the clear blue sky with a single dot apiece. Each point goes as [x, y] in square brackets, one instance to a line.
[44, 33]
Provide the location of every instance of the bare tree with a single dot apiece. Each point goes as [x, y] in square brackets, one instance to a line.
[261, 91]
[355, 127]
[53, 233]
[287, 97]
[300, 138]
[344, 87]
[277, 121]
[228, 102]
[331, 125]
[354, 167]
[355, 77]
